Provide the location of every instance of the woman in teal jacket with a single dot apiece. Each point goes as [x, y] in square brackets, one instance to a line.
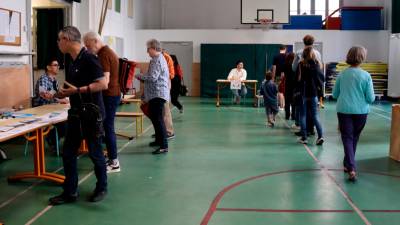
[354, 92]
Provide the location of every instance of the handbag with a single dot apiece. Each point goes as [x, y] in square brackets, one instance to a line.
[145, 108]
[183, 90]
[91, 118]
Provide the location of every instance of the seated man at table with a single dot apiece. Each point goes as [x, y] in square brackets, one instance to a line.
[45, 93]
[238, 74]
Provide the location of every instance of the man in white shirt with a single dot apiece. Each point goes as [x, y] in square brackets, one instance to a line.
[238, 74]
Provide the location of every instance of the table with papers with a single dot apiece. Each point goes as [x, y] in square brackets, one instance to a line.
[37, 122]
[223, 83]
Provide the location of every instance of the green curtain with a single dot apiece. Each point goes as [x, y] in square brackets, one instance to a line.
[218, 59]
[49, 23]
[395, 16]
[264, 58]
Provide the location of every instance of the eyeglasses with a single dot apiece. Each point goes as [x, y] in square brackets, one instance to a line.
[55, 65]
[62, 38]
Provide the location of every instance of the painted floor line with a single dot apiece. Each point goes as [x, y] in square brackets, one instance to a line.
[284, 210]
[213, 207]
[340, 189]
[380, 109]
[380, 115]
[304, 210]
[47, 208]
[15, 197]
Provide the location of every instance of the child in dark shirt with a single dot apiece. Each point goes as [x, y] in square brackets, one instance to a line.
[269, 92]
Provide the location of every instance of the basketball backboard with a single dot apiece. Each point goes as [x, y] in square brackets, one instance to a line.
[276, 10]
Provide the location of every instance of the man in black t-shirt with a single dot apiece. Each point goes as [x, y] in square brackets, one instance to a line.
[85, 82]
[279, 64]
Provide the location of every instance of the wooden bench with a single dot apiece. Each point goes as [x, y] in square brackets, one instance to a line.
[139, 122]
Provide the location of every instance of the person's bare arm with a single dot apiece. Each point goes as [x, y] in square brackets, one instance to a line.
[107, 77]
[96, 86]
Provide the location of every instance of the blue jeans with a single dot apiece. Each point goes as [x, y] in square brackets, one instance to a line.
[350, 126]
[72, 143]
[242, 92]
[110, 104]
[310, 108]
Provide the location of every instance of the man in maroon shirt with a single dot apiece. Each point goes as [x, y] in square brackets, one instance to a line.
[112, 96]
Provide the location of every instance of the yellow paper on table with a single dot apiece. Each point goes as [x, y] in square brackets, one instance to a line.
[395, 133]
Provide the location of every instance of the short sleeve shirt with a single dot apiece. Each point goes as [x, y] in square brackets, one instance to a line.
[279, 62]
[84, 70]
[45, 83]
[109, 62]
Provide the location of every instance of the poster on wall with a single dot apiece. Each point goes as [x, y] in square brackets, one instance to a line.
[10, 27]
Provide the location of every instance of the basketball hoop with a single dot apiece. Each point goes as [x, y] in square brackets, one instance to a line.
[266, 23]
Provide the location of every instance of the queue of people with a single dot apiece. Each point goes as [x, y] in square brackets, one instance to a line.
[92, 89]
[92, 82]
[303, 81]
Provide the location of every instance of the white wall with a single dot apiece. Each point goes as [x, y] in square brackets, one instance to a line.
[364, 2]
[204, 14]
[86, 16]
[207, 14]
[147, 14]
[20, 6]
[336, 43]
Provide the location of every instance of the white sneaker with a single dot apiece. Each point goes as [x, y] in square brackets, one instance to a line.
[113, 166]
[319, 141]
[294, 127]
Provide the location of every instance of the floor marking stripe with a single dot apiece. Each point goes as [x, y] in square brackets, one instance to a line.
[380, 109]
[304, 210]
[218, 198]
[326, 172]
[15, 197]
[47, 208]
[380, 115]
[284, 210]
[37, 216]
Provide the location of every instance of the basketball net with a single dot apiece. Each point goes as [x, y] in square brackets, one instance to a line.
[266, 24]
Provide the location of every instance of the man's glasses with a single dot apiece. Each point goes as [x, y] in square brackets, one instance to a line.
[55, 65]
[62, 38]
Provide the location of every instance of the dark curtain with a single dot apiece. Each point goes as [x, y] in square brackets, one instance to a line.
[395, 16]
[217, 60]
[265, 54]
[49, 23]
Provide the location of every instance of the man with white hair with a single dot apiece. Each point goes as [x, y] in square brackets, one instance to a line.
[111, 97]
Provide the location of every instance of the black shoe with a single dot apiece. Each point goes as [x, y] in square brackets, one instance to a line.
[154, 144]
[160, 151]
[97, 196]
[352, 176]
[62, 199]
[311, 133]
[298, 134]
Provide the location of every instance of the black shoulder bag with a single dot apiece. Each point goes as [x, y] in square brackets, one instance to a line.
[91, 119]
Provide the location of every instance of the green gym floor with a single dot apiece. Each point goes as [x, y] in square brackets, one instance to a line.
[225, 167]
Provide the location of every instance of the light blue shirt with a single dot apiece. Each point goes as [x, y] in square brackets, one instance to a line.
[299, 57]
[156, 80]
[354, 91]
